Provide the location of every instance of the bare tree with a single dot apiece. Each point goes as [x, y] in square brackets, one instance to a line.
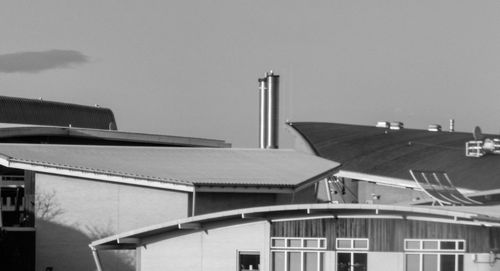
[46, 205]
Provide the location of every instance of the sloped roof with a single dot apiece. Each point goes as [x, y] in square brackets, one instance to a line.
[40, 112]
[55, 134]
[185, 166]
[480, 216]
[392, 153]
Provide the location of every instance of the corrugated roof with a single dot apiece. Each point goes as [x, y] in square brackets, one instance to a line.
[40, 112]
[53, 134]
[194, 166]
[392, 153]
[312, 211]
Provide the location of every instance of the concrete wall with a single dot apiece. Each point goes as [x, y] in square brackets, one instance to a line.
[211, 250]
[210, 202]
[80, 211]
[383, 261]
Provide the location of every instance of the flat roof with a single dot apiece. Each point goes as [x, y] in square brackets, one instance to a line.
[377, 154]
[12, 132]
[171, 167]
[479, 216]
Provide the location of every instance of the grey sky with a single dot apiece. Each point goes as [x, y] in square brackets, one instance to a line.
[191, 67]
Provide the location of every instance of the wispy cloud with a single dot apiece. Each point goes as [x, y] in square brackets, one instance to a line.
[34, 62]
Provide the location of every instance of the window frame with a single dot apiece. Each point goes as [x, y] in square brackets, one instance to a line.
[457, 252]
[352, 248]
[321, 243]
[319, 250]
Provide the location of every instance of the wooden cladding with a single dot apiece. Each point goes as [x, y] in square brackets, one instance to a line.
[388, 234]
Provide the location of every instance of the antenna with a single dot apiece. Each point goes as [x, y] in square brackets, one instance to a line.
[477, 134]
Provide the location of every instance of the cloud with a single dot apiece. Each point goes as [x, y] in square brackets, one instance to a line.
[34, 62]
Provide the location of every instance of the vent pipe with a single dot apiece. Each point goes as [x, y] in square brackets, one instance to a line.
[452, 125]
[269, 111]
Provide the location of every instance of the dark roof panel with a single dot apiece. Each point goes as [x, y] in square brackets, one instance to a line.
[392, 153]
[39, 112]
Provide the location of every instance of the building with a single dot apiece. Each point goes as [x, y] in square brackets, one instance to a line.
[318, 237]
[376, 161]
[77, 193]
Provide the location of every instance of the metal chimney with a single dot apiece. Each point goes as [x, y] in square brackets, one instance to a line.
[452, 125]
[263, 113]
[269, 111]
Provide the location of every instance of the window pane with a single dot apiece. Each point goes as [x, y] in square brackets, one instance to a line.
[412, 262]
[311, 243]
[412, 244]
[322, 243]
[447, 262]
[278, 261]
[278, 243]
[461, 245]
[322, 260]
[343, 261]
[310, 261]
[343, 243]
[293, 261]
[430, 262]
[460, 262]
[361, 244]
[448, 245]
[360, 261]
[249, 261]
[430, 245]
[294, 243]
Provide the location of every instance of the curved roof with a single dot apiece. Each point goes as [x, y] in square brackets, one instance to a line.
[184, 167]
[388, 153]
[480, 216]
[40, 112]
[86, 136]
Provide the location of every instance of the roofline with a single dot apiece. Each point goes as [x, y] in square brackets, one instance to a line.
[311, 211]
[86, 174]
[37, 130]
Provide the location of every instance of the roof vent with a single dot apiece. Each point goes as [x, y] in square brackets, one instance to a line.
[396, 125]
[382, 124]
[434, 128]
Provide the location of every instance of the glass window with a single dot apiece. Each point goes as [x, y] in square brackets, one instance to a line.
[294, 261]
[430, 262]
[412, 244]
[461, 245]
[412, 262]
[447, 262]
[249, 261]
[278, 261]
[448, 245]
[460, 263]
[294, 243]
[430, 244]
[361, 244]
[311, 243]
[343, 261]
[310, 261]
[278, 243]
[360, 261]
[343, 243]
[322, 243]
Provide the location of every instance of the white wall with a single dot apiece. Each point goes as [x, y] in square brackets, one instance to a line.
[211, 250]
[90, 210]
[481, 262]
[383, 261]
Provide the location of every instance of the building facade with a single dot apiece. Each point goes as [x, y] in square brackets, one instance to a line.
[318, 237]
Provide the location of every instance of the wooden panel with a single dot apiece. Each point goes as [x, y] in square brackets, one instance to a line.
[29, 198]
[388, 234]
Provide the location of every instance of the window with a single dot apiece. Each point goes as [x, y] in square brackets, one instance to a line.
[349, 257]
[352, 243]
[297, 254]
[249, 260]
[434, 255]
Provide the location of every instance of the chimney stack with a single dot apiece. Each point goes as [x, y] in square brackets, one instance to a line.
[269, 111]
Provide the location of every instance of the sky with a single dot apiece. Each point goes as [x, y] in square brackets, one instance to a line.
[190, 68]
